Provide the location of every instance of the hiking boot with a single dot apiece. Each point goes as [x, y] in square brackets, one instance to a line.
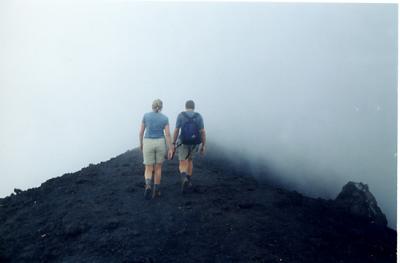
[189, 184]
[147, 192]
[185, 183]
[156, 193]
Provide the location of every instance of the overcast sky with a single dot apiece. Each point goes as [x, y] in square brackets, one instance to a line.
[308, 88]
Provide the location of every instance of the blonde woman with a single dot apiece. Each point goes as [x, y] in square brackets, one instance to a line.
[154, 136]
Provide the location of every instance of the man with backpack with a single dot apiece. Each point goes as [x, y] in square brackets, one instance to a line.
[190, 128]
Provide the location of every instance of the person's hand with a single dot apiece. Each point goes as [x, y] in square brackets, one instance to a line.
[203, 150]
[170, 153]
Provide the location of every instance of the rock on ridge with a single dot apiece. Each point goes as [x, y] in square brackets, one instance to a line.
[356, 199]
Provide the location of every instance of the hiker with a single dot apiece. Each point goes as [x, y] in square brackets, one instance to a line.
[154, 146]
[190, 128]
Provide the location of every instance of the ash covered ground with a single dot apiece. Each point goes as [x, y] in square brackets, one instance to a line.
[98, 214]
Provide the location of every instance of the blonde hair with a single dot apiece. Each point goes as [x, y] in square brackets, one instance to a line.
[157, 105]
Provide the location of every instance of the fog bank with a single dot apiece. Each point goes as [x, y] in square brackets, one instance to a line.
[308, 89]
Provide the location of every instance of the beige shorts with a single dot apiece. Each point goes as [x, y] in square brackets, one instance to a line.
[187, 152]
[154, 150]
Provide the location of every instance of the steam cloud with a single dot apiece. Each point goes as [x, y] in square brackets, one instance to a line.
[307, 89]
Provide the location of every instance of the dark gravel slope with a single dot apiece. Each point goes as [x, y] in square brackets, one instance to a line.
[99, 215]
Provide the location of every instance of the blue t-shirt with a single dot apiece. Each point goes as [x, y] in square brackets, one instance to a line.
[154, 122]
[182, 119]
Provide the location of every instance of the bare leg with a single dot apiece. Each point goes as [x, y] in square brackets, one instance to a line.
[186, 168]
[190, 167]
[157, 180]
[157, 174]
[183, 166]
[148, 172]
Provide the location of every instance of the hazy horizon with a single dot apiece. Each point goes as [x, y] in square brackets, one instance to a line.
[309, 89]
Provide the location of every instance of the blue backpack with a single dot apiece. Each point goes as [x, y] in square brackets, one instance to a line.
[190, 134]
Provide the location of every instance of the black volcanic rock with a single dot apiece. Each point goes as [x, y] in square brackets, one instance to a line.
[356, 199]
[98, 214]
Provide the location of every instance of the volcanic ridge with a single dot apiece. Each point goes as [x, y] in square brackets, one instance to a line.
[99, 214]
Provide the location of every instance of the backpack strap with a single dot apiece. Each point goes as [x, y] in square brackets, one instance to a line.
[192, 149]
[189, 152]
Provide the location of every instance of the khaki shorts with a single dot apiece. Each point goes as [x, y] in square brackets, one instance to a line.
[154, 150]
[183, 151]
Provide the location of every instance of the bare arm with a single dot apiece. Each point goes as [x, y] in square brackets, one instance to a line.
[203, 136]
[176, 133]
[168, 136]
[141, 134]
[203, 141]
[168, 139]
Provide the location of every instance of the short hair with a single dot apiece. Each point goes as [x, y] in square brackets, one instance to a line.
[189, 104]
[157, 105]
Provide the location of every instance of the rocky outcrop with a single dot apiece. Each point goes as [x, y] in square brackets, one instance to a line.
[356, 199]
